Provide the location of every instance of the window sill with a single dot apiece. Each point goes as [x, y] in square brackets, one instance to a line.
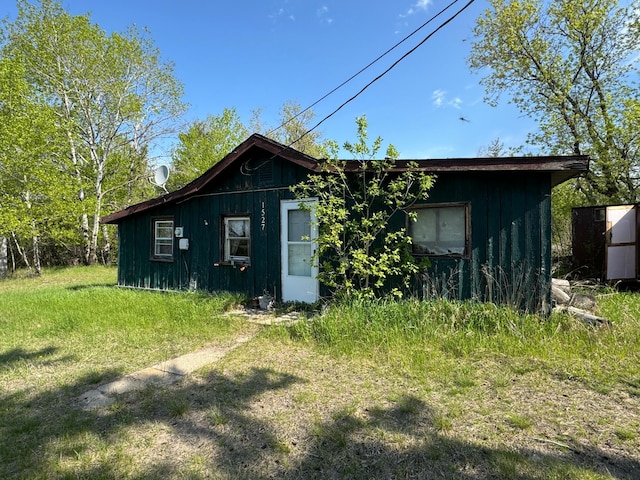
[162, 259]
[235, 264]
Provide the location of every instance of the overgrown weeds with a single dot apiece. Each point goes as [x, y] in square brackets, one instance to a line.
[419, 335]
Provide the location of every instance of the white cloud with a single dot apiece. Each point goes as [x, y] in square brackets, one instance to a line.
[420, 5]
[323, 13]
[439, 98]
[282, 13]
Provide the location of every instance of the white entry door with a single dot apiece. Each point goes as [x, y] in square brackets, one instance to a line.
[621, 242]
[298, 232]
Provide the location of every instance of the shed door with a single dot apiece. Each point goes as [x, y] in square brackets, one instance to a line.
[621, 242]
[298, 234]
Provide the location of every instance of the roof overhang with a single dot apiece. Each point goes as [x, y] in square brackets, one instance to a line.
[254, 141]
[560, 168]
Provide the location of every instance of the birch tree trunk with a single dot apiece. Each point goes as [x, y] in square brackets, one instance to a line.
[3, 257]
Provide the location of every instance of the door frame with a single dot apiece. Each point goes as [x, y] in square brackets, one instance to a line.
[628, 247]
[312, 294]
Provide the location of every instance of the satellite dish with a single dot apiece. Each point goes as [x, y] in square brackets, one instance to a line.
[161, 176]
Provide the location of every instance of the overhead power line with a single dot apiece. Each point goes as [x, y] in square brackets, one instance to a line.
[442, 25]
[362, 70]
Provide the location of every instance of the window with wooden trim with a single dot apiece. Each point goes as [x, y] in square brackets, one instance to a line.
[162, 239]
[440, 230]
[237, 239]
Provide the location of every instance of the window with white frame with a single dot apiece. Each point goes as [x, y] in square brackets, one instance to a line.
[162, 243]
[440, 230]
[237, 239]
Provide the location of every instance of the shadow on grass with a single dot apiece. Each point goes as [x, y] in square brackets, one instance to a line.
[89, 286]
[20, 354]
[220, 419]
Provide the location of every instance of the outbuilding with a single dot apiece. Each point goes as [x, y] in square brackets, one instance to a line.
[486, 228]
[606, 242]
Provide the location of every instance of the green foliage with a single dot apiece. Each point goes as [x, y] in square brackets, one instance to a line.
[203, 144]
[293, 130]
[570, 65]
[34, 200]
[357, 200]
[111, 99]
[563, 198]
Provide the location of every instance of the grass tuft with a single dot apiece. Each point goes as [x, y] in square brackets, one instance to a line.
[519, 422]
[178, 405]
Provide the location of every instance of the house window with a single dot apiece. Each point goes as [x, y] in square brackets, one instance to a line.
[440, 230]
[237, 239]
[162, 243]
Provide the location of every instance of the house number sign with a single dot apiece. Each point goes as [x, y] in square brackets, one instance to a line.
[263, 218]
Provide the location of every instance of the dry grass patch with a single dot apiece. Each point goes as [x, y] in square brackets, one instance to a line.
[276, 409]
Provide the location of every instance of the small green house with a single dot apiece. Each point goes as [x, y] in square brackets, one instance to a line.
[486, 228]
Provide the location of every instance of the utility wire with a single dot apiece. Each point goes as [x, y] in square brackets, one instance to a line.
[442, 25]
[362, 70]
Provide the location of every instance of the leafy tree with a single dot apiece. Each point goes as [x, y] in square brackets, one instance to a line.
[356, 201]
[32, 197]
[570, 65]
[495, 149]
[203, 144]
[111, 94]
[293, 130]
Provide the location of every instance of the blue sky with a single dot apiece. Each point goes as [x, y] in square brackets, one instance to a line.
[262, 53]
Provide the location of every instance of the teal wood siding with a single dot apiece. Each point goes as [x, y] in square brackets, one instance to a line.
[202, 267]
[509, 258]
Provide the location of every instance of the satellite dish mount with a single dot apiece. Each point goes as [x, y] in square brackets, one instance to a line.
[160, 177]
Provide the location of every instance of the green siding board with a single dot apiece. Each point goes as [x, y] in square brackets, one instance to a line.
[260, 242]
[514, 232]
[504, 255]
[545, 245]
[532, 226]
[479, 234]
[493, 224]
[518, 210]
[533, 237]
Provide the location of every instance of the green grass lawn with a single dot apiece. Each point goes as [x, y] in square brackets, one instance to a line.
[367, 390]
[71, 329]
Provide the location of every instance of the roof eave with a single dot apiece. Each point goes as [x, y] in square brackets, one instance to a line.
[192, 188]
[560, 168]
